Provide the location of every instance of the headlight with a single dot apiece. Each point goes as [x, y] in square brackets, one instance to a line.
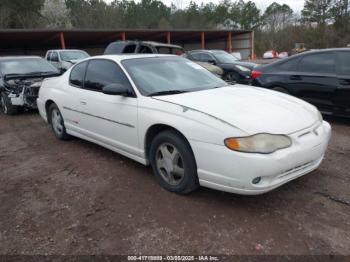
[260, 143]
[242, 68]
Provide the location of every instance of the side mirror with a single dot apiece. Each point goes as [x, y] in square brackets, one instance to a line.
[115, 89]
[213, 62]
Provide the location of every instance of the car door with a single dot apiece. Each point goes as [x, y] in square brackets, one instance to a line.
[342, 98]
[110, 119]
[70, 103]
[315, 80]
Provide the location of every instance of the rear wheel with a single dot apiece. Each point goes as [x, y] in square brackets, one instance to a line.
[173, 163]
[280, 89]
[57, 123]
[6, 105]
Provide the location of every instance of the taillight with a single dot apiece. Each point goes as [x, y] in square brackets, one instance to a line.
[256, 74]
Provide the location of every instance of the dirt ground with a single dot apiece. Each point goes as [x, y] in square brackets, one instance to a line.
[75, 197]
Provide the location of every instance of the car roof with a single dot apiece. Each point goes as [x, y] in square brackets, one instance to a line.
[208, 51]
[121, 57]
[308, 52]
[125, 42]
[63, 50]
[161, 44]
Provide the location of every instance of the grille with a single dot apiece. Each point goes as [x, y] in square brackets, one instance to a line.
[296, 169]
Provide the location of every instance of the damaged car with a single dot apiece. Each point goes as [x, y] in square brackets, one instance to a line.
[20, 81]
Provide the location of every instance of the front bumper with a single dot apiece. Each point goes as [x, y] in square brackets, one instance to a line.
[41, 108]
[222, 169]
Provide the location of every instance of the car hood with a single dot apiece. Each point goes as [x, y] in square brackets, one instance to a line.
[253, 110]
[249, 65]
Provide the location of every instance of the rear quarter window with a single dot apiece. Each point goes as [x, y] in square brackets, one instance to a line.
[343, 63]
[317, 63]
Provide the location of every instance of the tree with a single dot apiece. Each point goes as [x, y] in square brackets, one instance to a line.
[21, 14]
[317, 11]
[275, 21]
[277, 17]
[56, 14]
[248, 15]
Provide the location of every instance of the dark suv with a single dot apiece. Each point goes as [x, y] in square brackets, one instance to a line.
[320, 77]
[142, 47]
[234, 69]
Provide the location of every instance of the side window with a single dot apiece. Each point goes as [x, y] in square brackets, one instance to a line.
[76, 77]
[48, 56]
[343, 63]
[54, 57]
[100, 73]
[163, 50]
[129, 49]
[205, 57]
[289, 65]
[145, 50]
[195, 56]
[317, 63]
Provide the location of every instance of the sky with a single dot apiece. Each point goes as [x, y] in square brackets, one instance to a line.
[296, 5]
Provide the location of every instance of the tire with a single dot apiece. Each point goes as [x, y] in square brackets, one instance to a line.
[231, 77]
[280, 89]
[57, 123]
[179, 162]
[6, 106]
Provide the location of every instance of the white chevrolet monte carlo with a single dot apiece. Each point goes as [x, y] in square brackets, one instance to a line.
[189, 125]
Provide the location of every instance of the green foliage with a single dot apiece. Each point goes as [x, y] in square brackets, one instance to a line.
[317, 11]
[20, 14]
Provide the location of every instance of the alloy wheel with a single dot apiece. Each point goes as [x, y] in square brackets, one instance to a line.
[169, 163]
[56, 120]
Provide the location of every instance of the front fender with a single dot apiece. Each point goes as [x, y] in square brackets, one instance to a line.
[193, 124]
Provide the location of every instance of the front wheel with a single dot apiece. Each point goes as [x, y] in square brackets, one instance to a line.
[173, 163]
[231, 77]
[6, 105]
[57, 123]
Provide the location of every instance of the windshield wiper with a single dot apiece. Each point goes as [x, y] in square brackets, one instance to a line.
[168, 92]
[16, 75]
[49, 73]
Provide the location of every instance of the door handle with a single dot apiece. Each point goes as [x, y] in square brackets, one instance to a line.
[295, 77]
[82, 102]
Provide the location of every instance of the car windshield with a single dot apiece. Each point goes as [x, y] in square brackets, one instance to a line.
[27, 66]
[224, 57]
[73, 55]
[170, 75]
